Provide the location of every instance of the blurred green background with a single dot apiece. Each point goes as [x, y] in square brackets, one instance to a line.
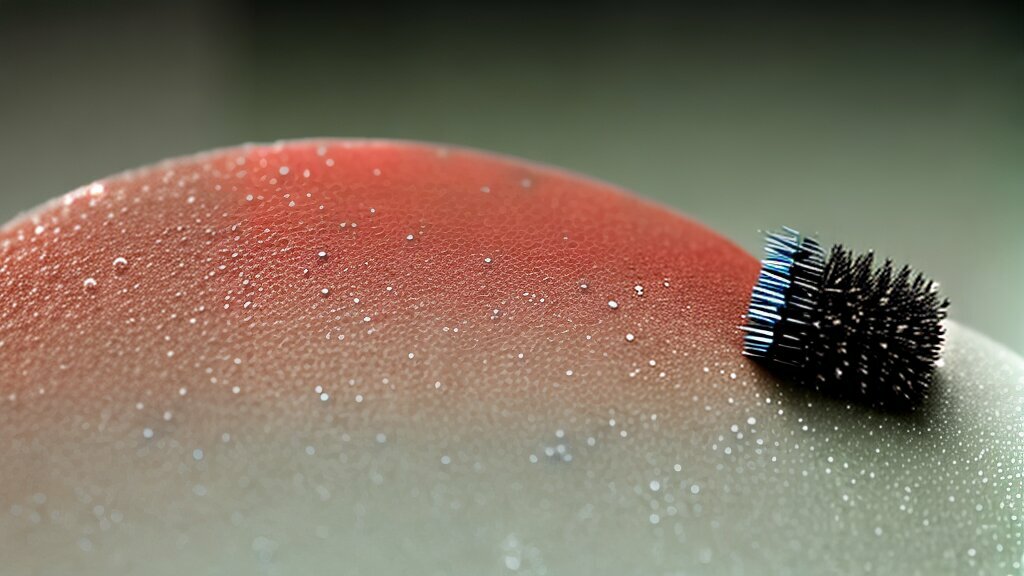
[901, 131]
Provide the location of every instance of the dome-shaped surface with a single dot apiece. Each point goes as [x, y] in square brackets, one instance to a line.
[381, 357]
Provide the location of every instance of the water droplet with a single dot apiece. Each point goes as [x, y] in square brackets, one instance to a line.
[630, 337]
[613, 304]
[89, 284]
[120, 264]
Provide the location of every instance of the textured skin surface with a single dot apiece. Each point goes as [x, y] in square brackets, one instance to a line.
[377, 357]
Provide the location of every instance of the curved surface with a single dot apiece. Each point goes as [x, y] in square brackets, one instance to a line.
[350, 357]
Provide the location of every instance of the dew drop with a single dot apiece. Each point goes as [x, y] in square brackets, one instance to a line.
[89, 284]
[120, 264]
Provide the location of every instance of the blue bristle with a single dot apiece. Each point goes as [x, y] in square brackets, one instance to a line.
[785, 289]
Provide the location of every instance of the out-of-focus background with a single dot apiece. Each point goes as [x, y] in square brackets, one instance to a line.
[900, 130]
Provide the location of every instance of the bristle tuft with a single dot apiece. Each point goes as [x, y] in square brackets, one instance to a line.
[842, 325]
[879, 331]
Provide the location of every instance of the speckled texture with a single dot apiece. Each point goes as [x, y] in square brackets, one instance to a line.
[415, 359]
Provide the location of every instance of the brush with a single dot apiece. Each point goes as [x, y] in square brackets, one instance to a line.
[842, 325]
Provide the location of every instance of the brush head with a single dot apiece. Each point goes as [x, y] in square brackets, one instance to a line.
[842, 325]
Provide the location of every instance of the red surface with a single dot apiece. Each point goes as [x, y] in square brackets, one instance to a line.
[231, 239]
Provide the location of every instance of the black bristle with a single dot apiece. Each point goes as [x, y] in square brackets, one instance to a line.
[844, 326]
